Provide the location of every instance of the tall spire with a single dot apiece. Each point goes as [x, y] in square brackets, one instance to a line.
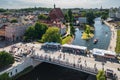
[101, 8]
[54, 6]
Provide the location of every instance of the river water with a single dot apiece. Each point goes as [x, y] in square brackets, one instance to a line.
[102, 33]
[46, 71]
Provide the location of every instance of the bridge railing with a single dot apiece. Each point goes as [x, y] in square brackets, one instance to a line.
[67, 64]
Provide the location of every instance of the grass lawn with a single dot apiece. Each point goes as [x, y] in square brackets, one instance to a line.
[117, 49]
[85, 36]
[67, 40]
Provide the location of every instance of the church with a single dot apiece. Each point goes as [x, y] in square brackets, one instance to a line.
[56, 14]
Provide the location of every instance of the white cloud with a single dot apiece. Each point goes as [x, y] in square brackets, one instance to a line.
[59, 3]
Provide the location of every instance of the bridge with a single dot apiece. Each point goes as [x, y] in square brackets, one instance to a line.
[65, 60]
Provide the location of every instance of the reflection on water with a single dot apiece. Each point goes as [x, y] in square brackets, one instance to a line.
[102, 33]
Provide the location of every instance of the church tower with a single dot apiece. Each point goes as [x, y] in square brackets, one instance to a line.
[54, 6]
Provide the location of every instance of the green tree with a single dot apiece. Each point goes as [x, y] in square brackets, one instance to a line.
[70, 15]
[90, 18]
[72, 29]
[52, 35]
[87, 29]
[35, 32]
[66, 17]
[2, 10]
[40, 29]
[69, 18]
[14, 20]
[6, 59]
[30, 33]
[101, 75]
[104, 15]
[5, 76]
[42, 17]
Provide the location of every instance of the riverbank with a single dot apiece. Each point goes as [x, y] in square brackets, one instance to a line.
[68, 39]
[117, 49]
[112, 44]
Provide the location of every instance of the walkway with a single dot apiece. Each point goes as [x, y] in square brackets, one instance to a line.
[112, 44]
[65, 60]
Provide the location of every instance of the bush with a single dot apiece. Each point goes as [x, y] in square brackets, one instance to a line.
[14, 21]
[101, 75]
[5, 76]
[6, 59]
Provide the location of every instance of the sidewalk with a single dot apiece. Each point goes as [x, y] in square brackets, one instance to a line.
[112, 44]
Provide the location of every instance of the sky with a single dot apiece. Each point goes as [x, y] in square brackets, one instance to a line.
[17, 4]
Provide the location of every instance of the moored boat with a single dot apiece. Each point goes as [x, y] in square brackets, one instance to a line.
[95, 41]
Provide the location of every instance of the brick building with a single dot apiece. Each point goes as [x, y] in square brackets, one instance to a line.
[56, 14]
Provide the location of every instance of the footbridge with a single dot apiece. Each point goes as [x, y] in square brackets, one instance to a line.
[65, 60]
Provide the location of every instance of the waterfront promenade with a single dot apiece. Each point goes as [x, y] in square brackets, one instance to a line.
[112, 44]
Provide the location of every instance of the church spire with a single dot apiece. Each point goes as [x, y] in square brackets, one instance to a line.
[101, 8]
[54, 6]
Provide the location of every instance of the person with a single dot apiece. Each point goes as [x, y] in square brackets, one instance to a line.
[80, 66]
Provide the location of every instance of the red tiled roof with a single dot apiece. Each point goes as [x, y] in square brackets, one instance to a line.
[56, 14]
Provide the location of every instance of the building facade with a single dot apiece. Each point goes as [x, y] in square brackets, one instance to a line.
[15, 32]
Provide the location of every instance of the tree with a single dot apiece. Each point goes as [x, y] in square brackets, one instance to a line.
[14, 20]
[90, 18]
[66, 17]
[5, 76]
[6, 59]
[101, 75]
[104, 15]
[69, 18]
[52, 35]
[72, 29]
[40, 29]
[2, 10]
[29, 33]
[70, 15]
[42, 17]
[87, 30]
[35, 32]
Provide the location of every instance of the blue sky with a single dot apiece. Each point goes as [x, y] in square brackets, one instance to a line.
[59, 3]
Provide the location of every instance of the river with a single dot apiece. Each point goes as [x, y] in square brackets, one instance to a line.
[102, 33]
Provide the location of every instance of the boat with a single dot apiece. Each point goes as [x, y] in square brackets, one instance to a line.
[95, 41]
